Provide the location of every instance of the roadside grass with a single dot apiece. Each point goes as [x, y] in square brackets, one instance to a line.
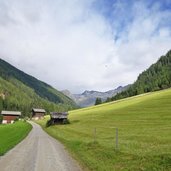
[12, 134]
[144, 124]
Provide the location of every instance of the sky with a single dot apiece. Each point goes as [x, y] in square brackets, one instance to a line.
[84, 44]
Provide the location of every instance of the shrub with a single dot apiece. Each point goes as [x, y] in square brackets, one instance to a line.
[16, 119]
[50, 122]
[66, 121]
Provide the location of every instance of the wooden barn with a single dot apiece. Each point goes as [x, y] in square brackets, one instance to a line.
[38, 113]
[58, 117]
[10, 116]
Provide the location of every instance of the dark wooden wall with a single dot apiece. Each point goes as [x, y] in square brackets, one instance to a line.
[9, 118]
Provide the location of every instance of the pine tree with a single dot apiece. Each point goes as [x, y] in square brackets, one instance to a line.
[98, 101]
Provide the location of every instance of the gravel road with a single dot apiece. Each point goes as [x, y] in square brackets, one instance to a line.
[38, 152]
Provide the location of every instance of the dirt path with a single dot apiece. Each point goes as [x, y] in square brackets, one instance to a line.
[38, 152]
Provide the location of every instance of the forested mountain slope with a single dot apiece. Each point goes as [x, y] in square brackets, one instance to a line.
[20, 91]
[157, 77]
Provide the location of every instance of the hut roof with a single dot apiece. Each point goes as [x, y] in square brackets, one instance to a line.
[59, 115]
[39, 110]
[11, 113]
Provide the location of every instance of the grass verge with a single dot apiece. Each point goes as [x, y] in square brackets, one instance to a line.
[12, 134]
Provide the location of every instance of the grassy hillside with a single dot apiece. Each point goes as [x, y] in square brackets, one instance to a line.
[156, 77]
[22, 92]
[144, 124]
[12, 134]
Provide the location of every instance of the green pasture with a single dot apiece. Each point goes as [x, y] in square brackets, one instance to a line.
[144, 134]
[12, 134]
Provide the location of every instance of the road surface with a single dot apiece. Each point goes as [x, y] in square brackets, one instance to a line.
[38, 152]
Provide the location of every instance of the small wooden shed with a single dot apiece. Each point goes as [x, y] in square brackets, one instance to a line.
[58, 117]
[38, 113]
[10, 116]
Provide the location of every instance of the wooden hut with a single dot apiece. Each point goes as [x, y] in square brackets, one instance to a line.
[10, 116]
[58, 117]
[38, 113]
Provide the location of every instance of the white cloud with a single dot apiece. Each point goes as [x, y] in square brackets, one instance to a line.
[146, 38]
[71, 45]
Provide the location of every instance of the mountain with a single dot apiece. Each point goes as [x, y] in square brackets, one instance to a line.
[156, 77]
[20, 91]
[69, 94]
[88, 98]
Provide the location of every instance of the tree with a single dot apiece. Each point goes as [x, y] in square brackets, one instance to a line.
[1, 118]
[1, 103]
[5, 104]
[108, 99]
[98, 101]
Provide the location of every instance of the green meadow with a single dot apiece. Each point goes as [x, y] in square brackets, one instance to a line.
[12, 134]
[144, 134]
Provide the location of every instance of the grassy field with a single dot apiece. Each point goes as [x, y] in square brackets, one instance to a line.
[12, 134]
[144, 124]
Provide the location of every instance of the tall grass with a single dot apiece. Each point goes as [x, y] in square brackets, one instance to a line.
[12, 134]
[144, 124]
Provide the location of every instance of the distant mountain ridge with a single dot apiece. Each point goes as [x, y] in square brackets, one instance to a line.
[156, 77]
[88, 98]
[17, 86]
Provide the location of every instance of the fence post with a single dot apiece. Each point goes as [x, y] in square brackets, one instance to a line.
[116, 142]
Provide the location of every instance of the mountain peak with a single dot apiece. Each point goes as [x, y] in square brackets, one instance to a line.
[88, 98]
[87, 92]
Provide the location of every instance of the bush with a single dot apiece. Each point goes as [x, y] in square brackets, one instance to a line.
[50, 122]
[16, 119]
[66, 121]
